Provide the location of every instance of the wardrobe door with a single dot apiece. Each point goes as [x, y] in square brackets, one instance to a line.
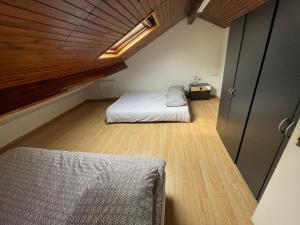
[276, 97]
[286, 139]
[232, 56]
[256, 31]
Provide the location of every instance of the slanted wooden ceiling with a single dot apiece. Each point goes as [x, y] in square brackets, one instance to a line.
[44, 39]
[53, 45]
[49, 46]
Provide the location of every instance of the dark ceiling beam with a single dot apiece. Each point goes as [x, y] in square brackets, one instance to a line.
[20, 97]
[193, 12]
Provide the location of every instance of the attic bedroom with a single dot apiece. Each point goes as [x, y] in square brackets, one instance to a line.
[149, 112]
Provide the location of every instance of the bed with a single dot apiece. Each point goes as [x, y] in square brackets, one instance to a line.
[145, 107]
[39, 186]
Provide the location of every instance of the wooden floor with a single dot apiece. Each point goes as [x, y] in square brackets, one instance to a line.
[203, 186]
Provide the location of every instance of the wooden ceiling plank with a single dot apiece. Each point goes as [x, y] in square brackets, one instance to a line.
[158, 2]
[26, 25]
[16, 31]
[86, 30]
[22, 46]
[223, 12]
[108, 18]
[103, 6]
[38, 74]
[89, 36]
[151, 4]
[137, 4]
[29, 25]
[18, 61]
[48, 21]
[17, 98]
[105, 23]
[74, 44]
[46, 64]
[41, 73]
[39, 52]
[231, 15]
[17, 39]
[79, 48]
[65, 7]
[94, 2]
[81, 4]
[45, 10]
[82, 40]
[173, 11]
[44, 47]
[123, 11]
[107, 15]
[168, 12]
[131, 5]
[9, 10]
[131, 9]
[97, 27]
[110, 22]
[146, 6]
[54, 13]
[162, 11]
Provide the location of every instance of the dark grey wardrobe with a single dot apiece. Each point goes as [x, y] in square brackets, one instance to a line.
[241, 73]
[232, 57]
[265, 89]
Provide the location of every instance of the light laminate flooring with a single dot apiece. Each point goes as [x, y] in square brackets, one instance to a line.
[203, 186]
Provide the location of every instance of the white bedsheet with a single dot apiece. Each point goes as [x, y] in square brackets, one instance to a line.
[145, 107]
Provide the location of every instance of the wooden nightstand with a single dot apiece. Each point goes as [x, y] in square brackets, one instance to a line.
[200, 91]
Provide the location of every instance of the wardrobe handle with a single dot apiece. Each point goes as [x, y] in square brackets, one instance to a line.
[232, 92]
[229, 92]
[287, 130]
[281, 123]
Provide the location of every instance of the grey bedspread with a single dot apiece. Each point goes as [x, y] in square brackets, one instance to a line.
[40, 186]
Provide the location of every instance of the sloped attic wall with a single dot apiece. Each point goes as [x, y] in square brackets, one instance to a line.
[175, 58]
[22, 122]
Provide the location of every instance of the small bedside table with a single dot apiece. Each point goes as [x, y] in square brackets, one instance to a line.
[200, 91]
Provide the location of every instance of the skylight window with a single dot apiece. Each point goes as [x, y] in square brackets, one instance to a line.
[135, 35]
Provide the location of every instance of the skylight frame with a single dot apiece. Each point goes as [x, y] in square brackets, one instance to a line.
[131, 38]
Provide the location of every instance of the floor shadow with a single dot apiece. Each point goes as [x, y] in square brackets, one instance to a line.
[192, 115]
[170, 215]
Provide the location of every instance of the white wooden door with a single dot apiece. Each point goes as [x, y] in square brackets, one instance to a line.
[280, 203]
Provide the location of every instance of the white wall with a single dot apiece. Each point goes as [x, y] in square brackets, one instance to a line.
[176, 57]
[103, 89]
[16, 125]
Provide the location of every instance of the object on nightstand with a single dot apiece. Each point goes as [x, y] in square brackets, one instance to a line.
[200, 91]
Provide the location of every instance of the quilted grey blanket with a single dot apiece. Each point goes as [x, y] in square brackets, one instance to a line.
[40, 186]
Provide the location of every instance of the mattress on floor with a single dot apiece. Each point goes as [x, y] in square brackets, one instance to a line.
[145, 107]
[39, 186]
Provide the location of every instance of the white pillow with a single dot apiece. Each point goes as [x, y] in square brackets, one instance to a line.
[175, 99]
